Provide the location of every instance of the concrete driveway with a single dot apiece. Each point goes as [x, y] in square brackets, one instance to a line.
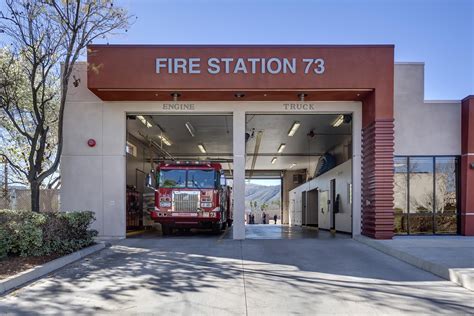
[212, 275]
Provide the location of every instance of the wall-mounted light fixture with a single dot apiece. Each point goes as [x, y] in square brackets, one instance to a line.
[202, 148]
[239, 95]
[175, 96]
[472, 165]
[274, 159]
[292, 165]
[301, 96]
[294, 128]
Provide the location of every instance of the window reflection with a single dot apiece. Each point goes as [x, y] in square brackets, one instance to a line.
[400, 190]
[446, 200]
[425, 195]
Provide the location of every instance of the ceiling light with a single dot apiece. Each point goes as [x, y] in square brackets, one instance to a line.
[165, 140]
[280, 149]
[201, 148]
[144, 121]
[175, 96]
[294, 128]
[274, 159]
[301, 96]
[190, 128]
[239, 95]
[292, 165]
[338, 121]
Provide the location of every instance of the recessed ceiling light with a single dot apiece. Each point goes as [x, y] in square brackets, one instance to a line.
[144, 121]
[190, 128]
[165, 140]
[274, 159]
[337, 122]
[201, 148]
[239, 95]
[294, 128]
[280, 149]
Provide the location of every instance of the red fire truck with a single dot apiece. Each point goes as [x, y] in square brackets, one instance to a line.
[192, 195]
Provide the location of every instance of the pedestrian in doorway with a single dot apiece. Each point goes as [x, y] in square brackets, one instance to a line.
[253, 219]
[264, 218]
[275, 217]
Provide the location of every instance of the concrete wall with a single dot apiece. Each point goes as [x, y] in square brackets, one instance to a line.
[423, 127]
[343, 175]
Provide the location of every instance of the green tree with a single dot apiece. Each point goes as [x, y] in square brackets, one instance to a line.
[46, 38]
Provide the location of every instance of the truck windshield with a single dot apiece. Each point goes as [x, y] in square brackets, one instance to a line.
[201, 179]
[172, 179]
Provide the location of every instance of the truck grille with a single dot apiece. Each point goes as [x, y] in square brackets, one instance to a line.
[185, 201]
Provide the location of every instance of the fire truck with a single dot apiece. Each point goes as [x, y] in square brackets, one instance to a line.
[192, 195]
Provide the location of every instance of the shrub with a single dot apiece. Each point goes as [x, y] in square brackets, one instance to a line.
[26, 233]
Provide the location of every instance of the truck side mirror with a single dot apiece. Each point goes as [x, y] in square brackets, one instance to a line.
[149, 180]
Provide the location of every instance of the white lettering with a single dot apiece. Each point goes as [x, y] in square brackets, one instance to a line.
[289, 66]
[253, 63]
[240, 66]
[194, 65]
[160, 63]
[271, 69]
[214, 67]
[180, 63]
[227, 64]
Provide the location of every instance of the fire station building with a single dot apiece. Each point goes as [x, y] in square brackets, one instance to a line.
[345, 128]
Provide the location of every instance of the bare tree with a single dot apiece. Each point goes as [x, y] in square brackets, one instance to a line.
[46, 39]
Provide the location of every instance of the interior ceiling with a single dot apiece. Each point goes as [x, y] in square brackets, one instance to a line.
[215, 133]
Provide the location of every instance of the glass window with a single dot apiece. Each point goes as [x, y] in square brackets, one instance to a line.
[421, 195]
[201, 179]
[425, 195]
[446, 195]
[172, 178]
[400, 195]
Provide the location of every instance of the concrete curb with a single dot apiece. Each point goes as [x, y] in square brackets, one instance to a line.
[462, 277]
[35, 273]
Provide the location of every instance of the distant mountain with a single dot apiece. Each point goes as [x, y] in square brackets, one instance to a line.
[262, 194]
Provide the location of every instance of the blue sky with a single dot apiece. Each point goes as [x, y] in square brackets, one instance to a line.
[437, 32]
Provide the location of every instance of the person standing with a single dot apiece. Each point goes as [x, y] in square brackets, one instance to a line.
[264, 218]
[275, 217]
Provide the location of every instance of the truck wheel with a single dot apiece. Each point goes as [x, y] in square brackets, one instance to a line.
[166, 230]
[229, 222]
[216, 228]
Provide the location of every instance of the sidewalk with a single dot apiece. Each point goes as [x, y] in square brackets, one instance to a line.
[450, 257]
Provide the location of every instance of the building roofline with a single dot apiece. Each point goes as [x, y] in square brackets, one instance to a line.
[443, 101]
[409, 63]
[243, 45]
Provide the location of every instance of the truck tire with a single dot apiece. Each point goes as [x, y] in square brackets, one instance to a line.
[166, 230]
[229, 223]
[216, 228]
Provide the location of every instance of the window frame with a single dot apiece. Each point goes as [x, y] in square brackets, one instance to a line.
[433, 217]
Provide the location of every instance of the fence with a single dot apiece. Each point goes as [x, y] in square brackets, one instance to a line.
[19, 199]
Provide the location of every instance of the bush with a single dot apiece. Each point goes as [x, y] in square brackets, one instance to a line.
[26, 233]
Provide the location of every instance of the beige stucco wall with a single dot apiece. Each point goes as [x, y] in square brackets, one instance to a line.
[423, 127]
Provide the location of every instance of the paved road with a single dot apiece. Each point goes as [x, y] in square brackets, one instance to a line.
[211, 275]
